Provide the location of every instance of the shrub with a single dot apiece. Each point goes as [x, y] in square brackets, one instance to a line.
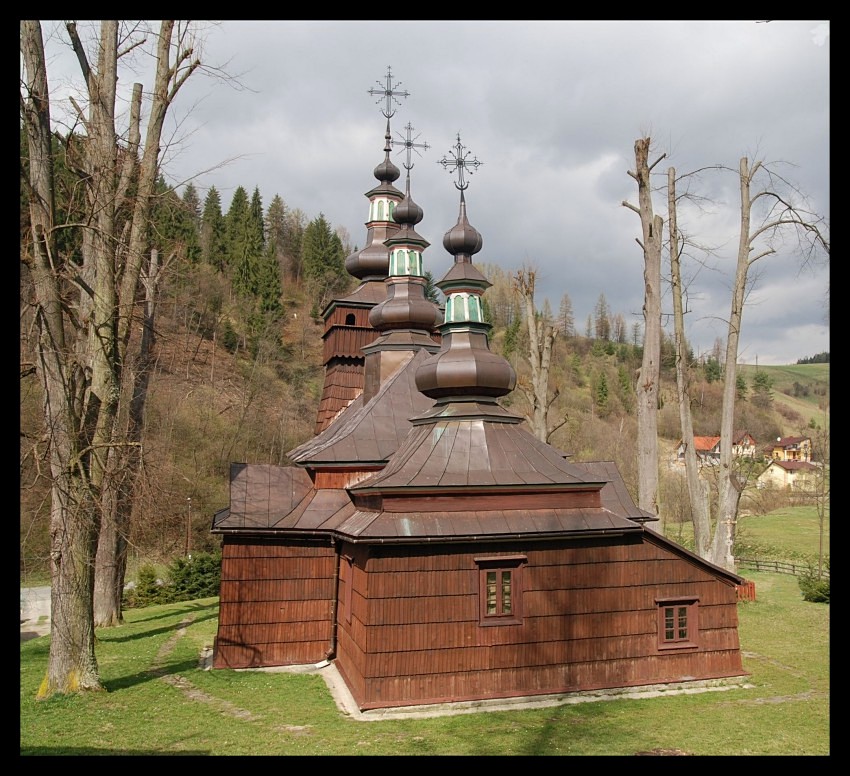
[815, 589]
[195, 576]
[147, 591]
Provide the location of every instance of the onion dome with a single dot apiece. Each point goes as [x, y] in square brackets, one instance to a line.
[373, 259]
[463, 239]
[406, 306]
[465, 369]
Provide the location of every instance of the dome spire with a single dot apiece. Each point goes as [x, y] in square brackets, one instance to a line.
[370, 263]
[465, 369]
[406, 307]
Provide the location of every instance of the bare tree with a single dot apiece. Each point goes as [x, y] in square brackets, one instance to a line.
[697, 488]
[647, 388]
[778, 215]
[84, 314]
[541, 336]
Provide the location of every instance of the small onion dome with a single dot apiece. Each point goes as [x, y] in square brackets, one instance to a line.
[462, 239]
[465, 367]
[406, 307]
[371, 261]
[386, 171]
[407, 211]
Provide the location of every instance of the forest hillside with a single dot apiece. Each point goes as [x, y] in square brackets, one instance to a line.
[236, 371]
[214, 400]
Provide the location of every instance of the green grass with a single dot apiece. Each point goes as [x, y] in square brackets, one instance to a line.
[159, 701]
[789, 534]
[800, 388]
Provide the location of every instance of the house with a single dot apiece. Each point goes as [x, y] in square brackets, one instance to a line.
[787, 474]
[435, 550]
[708, 448]
[793, 448]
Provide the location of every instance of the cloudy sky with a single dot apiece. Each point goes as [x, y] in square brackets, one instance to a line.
[552, 110]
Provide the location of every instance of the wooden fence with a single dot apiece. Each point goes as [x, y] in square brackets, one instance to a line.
[777, 566]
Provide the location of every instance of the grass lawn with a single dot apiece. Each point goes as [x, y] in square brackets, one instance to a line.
[159, 701]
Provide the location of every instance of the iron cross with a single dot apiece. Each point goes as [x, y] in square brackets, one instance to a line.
[460, 162]
[410, 145]
[389, 94]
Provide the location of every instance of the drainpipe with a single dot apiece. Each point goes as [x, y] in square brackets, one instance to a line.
[331, 653]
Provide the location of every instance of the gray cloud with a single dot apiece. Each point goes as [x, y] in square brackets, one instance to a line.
[552, 109]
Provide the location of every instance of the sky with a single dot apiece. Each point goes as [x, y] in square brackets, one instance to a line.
[551, 109]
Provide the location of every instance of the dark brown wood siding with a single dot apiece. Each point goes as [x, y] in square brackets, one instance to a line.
[351, 659]
[589, 622]
[277, 603]
[347, 341]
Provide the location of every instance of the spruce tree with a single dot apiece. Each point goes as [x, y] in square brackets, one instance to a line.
[322, 256]
[212, 231]
[247, 260]
[566, 320]
[236, 228]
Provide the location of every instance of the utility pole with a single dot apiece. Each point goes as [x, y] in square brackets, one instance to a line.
[189, 525]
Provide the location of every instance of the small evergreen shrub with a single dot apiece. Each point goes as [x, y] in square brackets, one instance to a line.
[148, 589]
[195, 576]
[815, 589]
[187, 578]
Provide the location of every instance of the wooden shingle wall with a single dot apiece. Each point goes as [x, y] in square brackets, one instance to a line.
[276, 604]
[589, 622]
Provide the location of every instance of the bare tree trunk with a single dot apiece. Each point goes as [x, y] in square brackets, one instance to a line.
[126, 462]
[541, 337]
[72, 665]
[84, 316]
[125, 468]
[697, 489]
[781, 214]
[728, 488]
[649, 374]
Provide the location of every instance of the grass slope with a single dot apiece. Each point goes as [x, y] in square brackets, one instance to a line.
[160, 701]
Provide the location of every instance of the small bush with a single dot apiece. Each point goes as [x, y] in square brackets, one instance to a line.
[147, 591]
[815, 589]
[196, 576]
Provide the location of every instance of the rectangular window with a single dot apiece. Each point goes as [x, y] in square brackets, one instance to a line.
[678, 626]
[500, 589]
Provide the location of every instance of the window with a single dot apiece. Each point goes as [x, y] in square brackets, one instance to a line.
[349, 319]
[500, 589]
[678, 624]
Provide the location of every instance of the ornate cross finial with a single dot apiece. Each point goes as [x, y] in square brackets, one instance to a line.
[389, 94]
[460, 162]
[409, 145]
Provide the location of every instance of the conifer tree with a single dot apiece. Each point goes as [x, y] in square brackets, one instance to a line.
[276, 232]
[236, 227]
[566, 320]
[603, 318]
[193, 204]
[293, 239]
[213, 231]
[323, 256]
[172, 223]
[247, 260]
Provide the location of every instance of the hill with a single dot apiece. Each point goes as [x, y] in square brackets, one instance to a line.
[800, 393]
[220, 393]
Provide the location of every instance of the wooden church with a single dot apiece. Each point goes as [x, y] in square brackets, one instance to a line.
[424, 540]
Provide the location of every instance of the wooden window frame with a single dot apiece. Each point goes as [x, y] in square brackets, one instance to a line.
[501, 565]
[671, 607]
